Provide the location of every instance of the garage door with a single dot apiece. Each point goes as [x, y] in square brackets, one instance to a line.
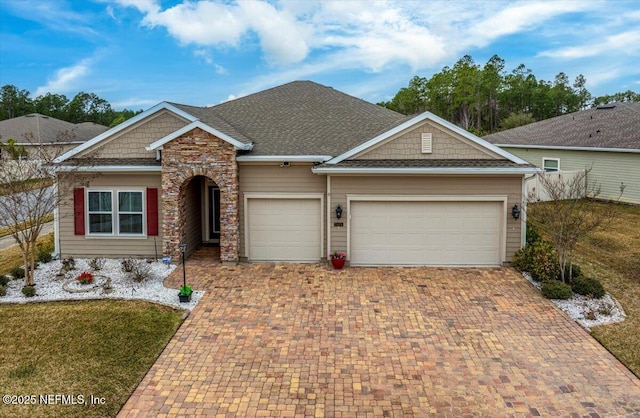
[284, 229]
[425, 233]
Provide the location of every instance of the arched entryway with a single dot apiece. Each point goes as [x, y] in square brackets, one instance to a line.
[201, 213]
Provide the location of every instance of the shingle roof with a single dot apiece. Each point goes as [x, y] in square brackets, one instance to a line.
[46, 130]
[299, 118]
[613, 126]
[434, 163]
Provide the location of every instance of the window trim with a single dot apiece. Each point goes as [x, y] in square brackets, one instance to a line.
[115, 213]
[545, 159]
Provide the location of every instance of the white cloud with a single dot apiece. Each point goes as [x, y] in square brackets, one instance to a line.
[625, 43]
[66, 79]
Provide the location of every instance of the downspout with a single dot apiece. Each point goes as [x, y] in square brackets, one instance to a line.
[56, 223]
[328, 216]
[523, 217]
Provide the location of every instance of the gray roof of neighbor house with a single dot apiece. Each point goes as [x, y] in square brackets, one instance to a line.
[47, 130]
[298, 118]
[616, 125]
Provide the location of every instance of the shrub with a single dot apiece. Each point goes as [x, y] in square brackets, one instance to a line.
[533, 236]
[588, 286]
[85, 278]
[127, 265]
[96, 264]
[539, 260]
[3, 290]
[68, 264]
[141, 271]
[576, 272]
[44, 255]
[17, 272]
[4, 280]
[29, 291]
[554, 289]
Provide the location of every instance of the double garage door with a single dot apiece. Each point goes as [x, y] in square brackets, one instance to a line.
[425, 233]
[379, 232]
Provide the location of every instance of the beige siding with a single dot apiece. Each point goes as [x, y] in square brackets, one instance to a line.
[510, 186]
[608, 169]
[297, 178]
[86, 246]
[408, 145]
[131, 142]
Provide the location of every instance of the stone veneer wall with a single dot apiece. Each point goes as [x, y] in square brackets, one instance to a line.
[198, 153]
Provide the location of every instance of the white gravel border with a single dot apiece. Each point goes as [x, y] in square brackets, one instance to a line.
[49, 286]
[605, 310]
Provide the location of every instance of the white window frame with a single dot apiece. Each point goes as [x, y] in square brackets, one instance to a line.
[142, 212]
[115, 213]
[544, 161]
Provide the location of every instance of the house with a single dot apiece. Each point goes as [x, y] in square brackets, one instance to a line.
[291, 174]
[605, 139]
[51, 135]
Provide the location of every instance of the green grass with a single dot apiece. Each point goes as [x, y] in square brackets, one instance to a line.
[12, 256]
[99, 348]
[613, 256]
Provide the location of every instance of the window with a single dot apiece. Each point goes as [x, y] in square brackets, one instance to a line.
[127, 218]
[100, 212]
[130, 212]
[551, 164]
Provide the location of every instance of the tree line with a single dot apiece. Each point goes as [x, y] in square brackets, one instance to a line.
[486, 99]
[83, 107]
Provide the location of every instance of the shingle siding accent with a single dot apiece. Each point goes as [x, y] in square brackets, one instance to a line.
[198, 153]
[409, 146]
[132, 143]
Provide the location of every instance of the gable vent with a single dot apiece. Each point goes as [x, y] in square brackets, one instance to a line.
[426, 143]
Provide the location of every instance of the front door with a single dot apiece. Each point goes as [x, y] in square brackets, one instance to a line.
[213, 232]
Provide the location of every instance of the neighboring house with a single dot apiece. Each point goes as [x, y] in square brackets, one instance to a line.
[52, 135]
[263, 177]
[605, 139]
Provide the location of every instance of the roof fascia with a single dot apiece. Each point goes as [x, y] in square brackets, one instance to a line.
[559, 147]
[423, 170]
[433, 118]
[199, 124]
[281, 158]
[124, 125]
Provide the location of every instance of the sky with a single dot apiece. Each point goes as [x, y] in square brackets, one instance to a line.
[137, 53]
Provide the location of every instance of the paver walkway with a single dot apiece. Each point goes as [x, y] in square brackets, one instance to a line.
[304, 340]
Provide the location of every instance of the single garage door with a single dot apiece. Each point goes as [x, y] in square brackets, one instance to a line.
[284, 229]
[425, 233]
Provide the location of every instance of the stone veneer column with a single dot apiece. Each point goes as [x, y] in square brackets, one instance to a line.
[198, 153]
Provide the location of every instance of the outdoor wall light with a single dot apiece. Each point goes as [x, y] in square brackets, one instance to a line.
[338, 212]
[515, 212]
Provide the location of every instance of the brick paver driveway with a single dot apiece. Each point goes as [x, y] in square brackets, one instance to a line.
[303, 340]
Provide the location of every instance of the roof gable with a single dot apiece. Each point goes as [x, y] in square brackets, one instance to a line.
[198, 124]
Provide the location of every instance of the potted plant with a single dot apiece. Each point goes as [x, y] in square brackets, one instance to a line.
[338, 258]
[185, 294]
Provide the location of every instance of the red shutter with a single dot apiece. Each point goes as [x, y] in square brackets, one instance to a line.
[152, 212]
[78, 211]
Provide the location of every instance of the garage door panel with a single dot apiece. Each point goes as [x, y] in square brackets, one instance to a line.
[425, 233]
[284, 229]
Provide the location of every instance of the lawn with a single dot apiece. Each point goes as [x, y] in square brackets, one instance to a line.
[613, 255]
[91, 348]
[12, 256]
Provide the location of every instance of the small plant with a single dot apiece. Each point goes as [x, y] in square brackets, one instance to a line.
[554, 289]
[141, 271]
[96, 264]
[590, 315]
[588, 286]
[17, 272]
[4, 280]
[338, 255]
[68, 264]
[44, 255]
[128, 264]
[185, 290]
[606, 309]
[29, 291]
[539, 259]
[576, 272]
[3, 290]
[85, 278]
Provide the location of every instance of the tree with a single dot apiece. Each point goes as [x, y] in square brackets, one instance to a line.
[88, 107]
[27, 196]
[624, 96]
[569, 216]
[54, 105]
[516, 119]
[14, 151]
[14, 102]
